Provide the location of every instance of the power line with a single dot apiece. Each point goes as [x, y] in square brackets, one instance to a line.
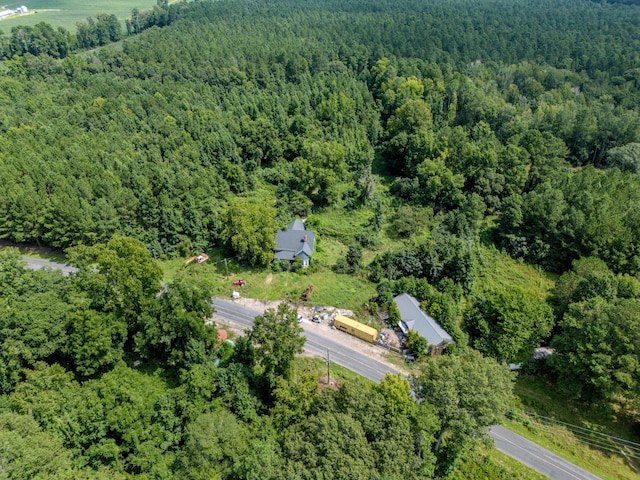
[592, 438]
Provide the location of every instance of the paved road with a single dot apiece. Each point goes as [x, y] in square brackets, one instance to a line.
[37, 264]
[506, 441]
[317, 344]
[537, 457]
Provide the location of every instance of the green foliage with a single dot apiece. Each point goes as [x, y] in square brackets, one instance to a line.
[477, 129]
[468, 393]
[96, 341]
[214, 441]
[408, 221]
[183, 308]
[397, 393]
[250, 231]
[596, 349]
[352, 261]
[508, 324]
[626, 158]
[417, 344]
[394, 313]
[28, 452]
[276, 336]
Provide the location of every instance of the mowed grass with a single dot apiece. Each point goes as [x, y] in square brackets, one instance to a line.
[66, 13]
[330, 288]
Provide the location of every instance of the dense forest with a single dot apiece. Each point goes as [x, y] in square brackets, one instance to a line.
[453, 127]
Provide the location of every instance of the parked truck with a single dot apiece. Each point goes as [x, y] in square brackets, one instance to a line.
[355, 328]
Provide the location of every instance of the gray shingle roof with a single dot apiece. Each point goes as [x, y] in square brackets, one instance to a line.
[294, 242]
[415, 319]
[297, 224]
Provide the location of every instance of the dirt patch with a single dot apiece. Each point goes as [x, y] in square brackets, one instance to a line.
[391, 337]
[334, 383]
[269, 278]
[325, 329]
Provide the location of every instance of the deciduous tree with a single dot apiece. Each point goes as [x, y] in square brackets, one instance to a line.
[277, 340]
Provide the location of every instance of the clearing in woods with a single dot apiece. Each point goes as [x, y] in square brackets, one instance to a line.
[66, 13]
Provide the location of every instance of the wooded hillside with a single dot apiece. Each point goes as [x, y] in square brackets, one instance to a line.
[463, 135]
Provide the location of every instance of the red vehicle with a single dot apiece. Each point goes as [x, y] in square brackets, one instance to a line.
[239, 283]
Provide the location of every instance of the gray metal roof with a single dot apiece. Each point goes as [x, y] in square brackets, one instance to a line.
[294, 241]
[297, 224]
[415, 319]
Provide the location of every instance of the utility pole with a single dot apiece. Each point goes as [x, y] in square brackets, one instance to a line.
[328, 367]
[226, 267]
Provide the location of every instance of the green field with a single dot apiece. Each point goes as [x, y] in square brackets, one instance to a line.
[66, 13]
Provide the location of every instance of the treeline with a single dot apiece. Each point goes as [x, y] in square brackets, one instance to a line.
[152, 140]
[101, 376]
[445, 124]
[43, 39]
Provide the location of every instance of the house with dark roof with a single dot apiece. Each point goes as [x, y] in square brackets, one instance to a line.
[295, 242]
[413, 318]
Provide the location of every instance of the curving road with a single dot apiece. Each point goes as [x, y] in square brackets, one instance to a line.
[316, 344]
[509, 443]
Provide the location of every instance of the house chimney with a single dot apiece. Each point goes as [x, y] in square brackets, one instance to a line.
[304, 239]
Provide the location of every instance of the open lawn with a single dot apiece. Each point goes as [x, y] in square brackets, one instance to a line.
[66, 13]
[344, 291]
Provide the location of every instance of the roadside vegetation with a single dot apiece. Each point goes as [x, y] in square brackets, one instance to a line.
[482, 156]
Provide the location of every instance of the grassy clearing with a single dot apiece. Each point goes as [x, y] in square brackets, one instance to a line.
[41, 253]
[539, 396]
[502, 270]
[344, 291]
[66, 13]
[316, 366]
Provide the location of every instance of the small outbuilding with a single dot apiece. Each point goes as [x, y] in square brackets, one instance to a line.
[295, 242]
[413, 318]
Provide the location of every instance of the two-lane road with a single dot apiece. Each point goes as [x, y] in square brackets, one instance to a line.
[506, 441]
[316, 344]
[37, 264]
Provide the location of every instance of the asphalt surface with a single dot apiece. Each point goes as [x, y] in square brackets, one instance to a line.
[537, 457]
[509, 443]
[37, 264]
[505, 440]
[316, 344]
